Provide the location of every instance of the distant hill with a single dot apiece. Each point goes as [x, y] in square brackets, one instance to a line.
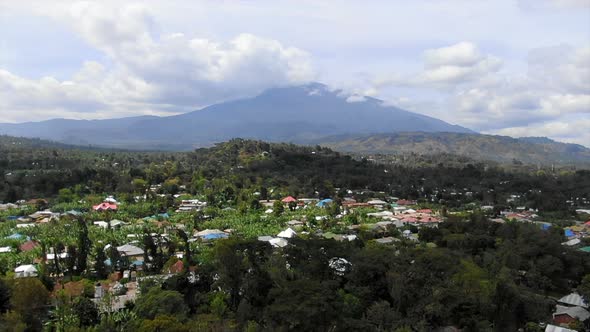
[288, 114]
[530, 150]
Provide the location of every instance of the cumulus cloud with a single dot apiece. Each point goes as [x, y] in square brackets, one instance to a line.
[467, 87]
[447, 67]
[555, 85]
[152, 72]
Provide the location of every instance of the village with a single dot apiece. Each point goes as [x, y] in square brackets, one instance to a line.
[27, 251]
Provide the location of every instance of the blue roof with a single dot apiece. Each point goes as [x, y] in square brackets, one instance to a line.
[323, 202]
[12, 217]
[569, 232]
[155, 216]
[15, 236]
[215, 236]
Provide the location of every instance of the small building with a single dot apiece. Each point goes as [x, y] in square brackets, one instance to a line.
[131, 251]
[573, 299]
[28, 246]
[25, 271]
[566, 315]
[289, 199]
[553, 328]
[105, 206]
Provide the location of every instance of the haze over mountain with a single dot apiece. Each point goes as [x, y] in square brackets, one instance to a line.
[289, 114]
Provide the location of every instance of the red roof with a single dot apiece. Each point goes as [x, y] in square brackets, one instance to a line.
[288, 199]
[405, 202]
[28, 246]
[176, 267]
[409, 219]
[587, 223]
[105, 206]
[424, 211]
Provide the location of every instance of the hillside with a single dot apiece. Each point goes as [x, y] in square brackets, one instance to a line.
[288, 114]
[530, 150]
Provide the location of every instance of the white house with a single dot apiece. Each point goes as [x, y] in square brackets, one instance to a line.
[24, 271]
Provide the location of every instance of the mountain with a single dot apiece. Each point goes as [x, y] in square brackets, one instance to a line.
[289, 114]
[530, 150]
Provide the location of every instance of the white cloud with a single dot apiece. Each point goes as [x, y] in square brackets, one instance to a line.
[150, 72]
[355, 98]
[553, 87]
[554, 4]
[447, 67]
[569, 130]
[463, 54]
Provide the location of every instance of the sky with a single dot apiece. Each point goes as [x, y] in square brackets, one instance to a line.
[517, 68]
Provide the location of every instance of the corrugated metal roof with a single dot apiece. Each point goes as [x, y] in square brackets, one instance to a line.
[573, 299]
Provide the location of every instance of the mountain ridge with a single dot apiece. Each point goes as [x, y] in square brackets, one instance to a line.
[531, 150]
[291, 114]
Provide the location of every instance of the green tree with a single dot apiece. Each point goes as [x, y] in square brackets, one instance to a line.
[29, 300]
[278, 208]
[86, 311]
[160, 302]
[584, 288]
[4, 297]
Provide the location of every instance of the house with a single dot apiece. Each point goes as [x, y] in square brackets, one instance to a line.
[288, 199]
[565, 315]
[187, 205]
[105, 206]
[377, 203]
[553, 328]
[110, 199]
[212, 234]
[324, 202]
[51, 256]
[28, 246]
[116, 223]
[25, 271]
[295, 223]
[288, 233]
[8, 206]
[176, 267]
[572, 242]
[131, 251]
[4, 250]
[573, 299]
[278, 242]
[102, 224]
[382, 214]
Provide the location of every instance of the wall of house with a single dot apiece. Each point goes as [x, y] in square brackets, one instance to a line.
[562, 319]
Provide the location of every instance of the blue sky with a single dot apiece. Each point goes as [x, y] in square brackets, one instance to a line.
[518, 68]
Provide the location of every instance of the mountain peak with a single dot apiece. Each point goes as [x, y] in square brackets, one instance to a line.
[288, 114]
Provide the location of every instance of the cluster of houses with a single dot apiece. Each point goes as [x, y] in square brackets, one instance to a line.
[569, 309]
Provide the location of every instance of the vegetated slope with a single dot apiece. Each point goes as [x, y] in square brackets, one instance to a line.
[480, 147]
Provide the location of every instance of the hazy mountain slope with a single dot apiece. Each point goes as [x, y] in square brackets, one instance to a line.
[476, 146]
[292, 114]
